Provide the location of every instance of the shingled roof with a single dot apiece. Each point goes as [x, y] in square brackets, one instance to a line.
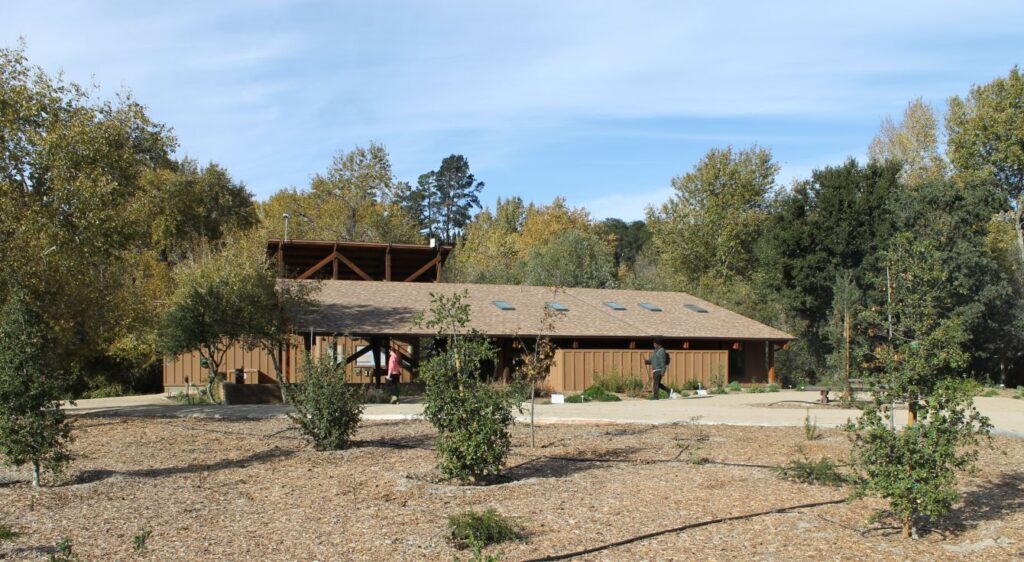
[361, 308]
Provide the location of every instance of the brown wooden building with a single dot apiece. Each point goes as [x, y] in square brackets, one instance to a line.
[598, 331]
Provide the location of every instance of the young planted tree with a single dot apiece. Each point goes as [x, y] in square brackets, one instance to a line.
[916, 468]
[472, 418]
[33, 428]
[846, 305]
[327, 410]
[535, 366]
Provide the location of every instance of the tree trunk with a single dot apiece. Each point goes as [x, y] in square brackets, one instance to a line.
[1018, 216]
[533, 406]
[906, 527]
[847, 389]
[275, 359]
[35, 474]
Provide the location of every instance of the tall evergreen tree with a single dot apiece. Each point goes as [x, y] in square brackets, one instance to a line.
[452, 193]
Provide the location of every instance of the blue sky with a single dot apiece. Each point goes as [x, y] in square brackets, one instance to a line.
[600, 102]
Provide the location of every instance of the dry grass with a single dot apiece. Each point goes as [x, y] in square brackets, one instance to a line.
[250, 490]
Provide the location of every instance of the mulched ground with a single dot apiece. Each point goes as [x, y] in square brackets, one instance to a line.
[251, 490]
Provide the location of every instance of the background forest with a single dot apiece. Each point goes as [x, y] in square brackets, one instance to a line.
[919, 246]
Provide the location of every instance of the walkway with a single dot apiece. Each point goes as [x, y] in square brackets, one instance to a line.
[790, 409]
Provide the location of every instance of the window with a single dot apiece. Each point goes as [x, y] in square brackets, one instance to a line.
[651, 307]
[557, 306]
[503, 305]
[696, 308]
[614, 305]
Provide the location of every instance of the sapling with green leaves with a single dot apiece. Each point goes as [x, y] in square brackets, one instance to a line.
[33, 429]
[472, 418]
[534, 366]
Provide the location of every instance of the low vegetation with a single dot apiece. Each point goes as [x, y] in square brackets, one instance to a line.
[7, 533]
[593, 393]
[64, 552]
[477, 530]
[822, 472]
[140, 540]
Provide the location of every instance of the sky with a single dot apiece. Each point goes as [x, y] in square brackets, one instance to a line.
[602, 103]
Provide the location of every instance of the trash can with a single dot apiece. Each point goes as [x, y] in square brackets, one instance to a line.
[239, 376]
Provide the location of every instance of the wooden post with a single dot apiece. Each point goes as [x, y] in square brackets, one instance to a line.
[771, 362]
[437, 279]
[415, 367]
[280, 259]
[387, 263]
[505, 361]
[334, 262]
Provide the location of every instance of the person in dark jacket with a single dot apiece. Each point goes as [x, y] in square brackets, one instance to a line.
[658, 362]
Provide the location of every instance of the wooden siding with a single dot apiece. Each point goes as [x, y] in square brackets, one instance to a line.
[260, 369]
[574, 369]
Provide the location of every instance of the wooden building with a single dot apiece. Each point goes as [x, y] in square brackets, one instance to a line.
[598, 331]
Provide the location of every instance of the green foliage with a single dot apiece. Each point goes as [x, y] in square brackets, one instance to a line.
[7, 533]
[473, 529]
[65, 552]
[822, 472]
[772, 388]
[915, 469]
[327, 410]
[697, 459]
[630, 240]
[140, 539]
[472, 418]
[451, 193]
[690, 384]
[810, 427]
[756, 388]
[734, 386]
[33, 428]
[571, 258]
[1019, 393]
[593, 393]
[914, 143]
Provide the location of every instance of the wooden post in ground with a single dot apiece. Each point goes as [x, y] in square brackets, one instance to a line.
[771, 363]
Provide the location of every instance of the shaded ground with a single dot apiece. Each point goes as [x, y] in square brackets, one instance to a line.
[250, 490]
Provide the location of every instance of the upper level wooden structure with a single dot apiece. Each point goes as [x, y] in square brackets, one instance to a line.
[357, 261]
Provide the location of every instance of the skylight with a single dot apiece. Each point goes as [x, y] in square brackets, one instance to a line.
[557, 306]
[651, 307]
[503, 305]
[614, 305]
[696, 308]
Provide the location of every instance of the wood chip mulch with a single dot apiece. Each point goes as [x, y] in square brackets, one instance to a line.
[252, 490]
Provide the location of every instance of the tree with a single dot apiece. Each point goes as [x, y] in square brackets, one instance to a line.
[472, 418]
[915, 468]
[846, 306]
[189, 204]
[571, 259]
[913, 142]
[227, 295]
[630, 240]
[986, 140]
[452, 194]
[535, 366]
[33, 428]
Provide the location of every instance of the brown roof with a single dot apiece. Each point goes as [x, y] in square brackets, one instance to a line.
[361, 308]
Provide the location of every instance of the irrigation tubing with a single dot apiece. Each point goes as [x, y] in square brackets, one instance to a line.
[688, 526]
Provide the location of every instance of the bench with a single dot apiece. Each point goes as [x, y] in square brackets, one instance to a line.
[856, 385]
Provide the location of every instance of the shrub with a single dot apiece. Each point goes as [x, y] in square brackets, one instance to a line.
[7, 533]
[1019, 393]
[472, 529]
[990, 392]
[719, 390]
[472, 418]
[65, 552]
[634, 387]
[756, 388]
[327, 410]
[822, 472]
[916, 468]
[593, 394]
[735, 387]
[810, 427]
[691, 384]
[718, 384]
[772, 388]
[697, 459]
[610, 382]
[140, 539]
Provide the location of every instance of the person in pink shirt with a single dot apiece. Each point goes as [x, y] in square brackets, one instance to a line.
[394, 372]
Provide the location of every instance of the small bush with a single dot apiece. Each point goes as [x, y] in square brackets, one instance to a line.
[592, 394]
[772, 388]
[327, 410]
[7, 533]
[633, 387]
[697, 459]
[990, 392]
[734, 387]
[823, 472]
[107, 390]
[140, 539]
[1019, 393]
[756, 388]
[65, 552]
[472, 529]
[692, 384]
[610, 382]
[810, 427]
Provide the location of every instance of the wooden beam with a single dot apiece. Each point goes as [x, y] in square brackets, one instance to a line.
[353, 267]
[387, 263]
[319, 265]
[358, 354]
[771, 363]
[423, 269]
[334, 265]
[437, 274]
